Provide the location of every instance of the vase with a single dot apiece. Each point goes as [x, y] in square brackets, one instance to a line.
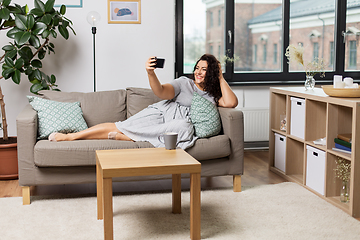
[309, 82]
[345, 192]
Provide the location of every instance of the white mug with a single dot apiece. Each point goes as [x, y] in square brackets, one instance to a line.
[169, 139]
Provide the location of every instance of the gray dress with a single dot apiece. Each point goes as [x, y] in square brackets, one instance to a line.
[166, 116]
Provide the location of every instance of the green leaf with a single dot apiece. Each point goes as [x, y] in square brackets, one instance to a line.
[11, 33]
[46, 19]
[26, 54]
[37, 12]
[20, 21]
[37, 74]
[40, 5]
[72, 30]
[6, 2]
[53, 79]
[16, 77]
[8, 47]
[7, 73]
[36, 87]
[49, 5]
[62, 9]
[4, 13]
[36, 63]
[9, 23]
[14, 10]
[30, 21]
[26, 9]
[41, 54]
[38, 28]
[22, 37]
[63, 31]
[34, 41]
[52, 45]
[11, 54]
[9, 62]
[19, 63]
[53, 33]
[45, 34]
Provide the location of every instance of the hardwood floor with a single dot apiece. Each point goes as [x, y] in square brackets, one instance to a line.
[256, 173]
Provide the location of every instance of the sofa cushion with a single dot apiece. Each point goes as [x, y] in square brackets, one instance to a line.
[56, 116]
[205, 117]
[210, 148]
[82, 152]
[138, 99]
[77, 153]
[97, 107]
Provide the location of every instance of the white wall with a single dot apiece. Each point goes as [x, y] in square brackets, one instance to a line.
[121, 52]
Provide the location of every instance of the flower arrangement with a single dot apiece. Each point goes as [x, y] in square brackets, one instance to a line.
[296, 53]
[343, 169]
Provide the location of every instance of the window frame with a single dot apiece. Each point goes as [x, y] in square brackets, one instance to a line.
[269, 78]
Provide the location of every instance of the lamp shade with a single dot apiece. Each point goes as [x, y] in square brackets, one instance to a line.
[93, 18]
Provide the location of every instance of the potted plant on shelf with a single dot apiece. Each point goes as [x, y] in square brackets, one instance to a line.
[29, 33]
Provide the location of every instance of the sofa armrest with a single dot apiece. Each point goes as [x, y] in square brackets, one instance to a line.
[27, 129]
[233, 126]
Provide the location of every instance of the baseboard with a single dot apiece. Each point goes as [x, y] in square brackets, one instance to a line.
[260, 145]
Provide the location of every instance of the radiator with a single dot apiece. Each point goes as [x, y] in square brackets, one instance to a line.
[256, 124]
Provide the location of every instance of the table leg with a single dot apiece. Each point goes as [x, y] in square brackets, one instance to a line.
[99, 192]
[176, 193]
[108, 209]
[195, 205]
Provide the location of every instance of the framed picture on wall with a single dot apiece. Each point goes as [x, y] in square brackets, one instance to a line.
[69, 3]
[124, 11]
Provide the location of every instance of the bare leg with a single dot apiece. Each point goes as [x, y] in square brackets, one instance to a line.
[99, 131]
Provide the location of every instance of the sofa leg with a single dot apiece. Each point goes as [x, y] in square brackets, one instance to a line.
[26, 195]
[237, 183]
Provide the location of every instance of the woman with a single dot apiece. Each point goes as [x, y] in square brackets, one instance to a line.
[169, 115]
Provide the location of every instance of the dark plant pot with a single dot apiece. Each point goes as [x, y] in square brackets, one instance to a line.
[8, 159]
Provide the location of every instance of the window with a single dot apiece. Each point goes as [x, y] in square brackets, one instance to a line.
[352, 54]
[275, 53]
[264, 53]
[315, 50]
[255, 54]
[332, 51]
[219, 18]
[276, 23]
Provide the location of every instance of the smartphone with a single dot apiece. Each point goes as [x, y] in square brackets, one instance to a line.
[159, 62]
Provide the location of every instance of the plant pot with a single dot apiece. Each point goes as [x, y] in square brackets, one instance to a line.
[8, 159]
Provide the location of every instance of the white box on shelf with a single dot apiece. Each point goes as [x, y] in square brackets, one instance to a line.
[297, 125]
[315, 169]
[280, 152]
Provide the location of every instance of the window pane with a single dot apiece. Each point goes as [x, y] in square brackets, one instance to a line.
[194, 34]
[203, 30]
[258, 27]
[352, 36]
[312, 25]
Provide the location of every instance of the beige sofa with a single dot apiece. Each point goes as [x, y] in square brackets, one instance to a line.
[42, 162]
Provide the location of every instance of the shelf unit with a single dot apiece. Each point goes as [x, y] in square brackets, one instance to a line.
[324, 117]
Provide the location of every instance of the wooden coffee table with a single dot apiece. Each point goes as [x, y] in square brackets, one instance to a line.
[142, 162]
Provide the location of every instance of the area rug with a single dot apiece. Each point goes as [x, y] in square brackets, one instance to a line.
[279, 211]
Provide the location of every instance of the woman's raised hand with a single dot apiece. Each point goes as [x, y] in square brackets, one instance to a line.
[149, 65]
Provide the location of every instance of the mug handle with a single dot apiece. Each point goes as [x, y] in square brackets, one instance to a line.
[159, 138]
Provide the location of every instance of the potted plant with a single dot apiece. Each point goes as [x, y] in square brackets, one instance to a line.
[29, 33]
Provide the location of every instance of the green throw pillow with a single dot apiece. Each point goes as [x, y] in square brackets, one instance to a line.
[204, 116]
[56, 116]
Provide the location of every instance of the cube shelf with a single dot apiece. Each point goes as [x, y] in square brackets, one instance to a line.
[325, 117]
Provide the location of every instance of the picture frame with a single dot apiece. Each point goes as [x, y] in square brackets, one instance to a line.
[124, 11]
[69, 3]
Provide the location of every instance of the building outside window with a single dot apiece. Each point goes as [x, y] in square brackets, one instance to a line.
[275, 53]
[255, 54]
[264, 53]
[352, 54]
[315, 50]
[219, 18]
[332, 54]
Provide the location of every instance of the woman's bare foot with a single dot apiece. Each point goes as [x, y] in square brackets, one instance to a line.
[58, 137]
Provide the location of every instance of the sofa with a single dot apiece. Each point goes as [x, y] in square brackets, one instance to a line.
[42, 162]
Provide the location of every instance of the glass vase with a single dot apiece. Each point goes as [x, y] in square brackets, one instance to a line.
[345, 192]
[309, 82]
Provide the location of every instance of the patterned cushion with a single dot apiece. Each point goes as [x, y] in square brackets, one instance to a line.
[205, 117]
[57, 116]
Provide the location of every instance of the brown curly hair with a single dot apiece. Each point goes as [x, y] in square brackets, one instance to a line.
[211, 84]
